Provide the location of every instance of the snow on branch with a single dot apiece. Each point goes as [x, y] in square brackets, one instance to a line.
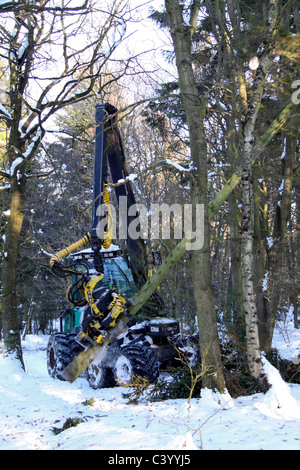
[4, 113]
[177, 166]
[34, 144]
[6, 186]
[15, 165]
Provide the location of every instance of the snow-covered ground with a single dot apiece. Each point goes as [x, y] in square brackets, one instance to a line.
[32, 405]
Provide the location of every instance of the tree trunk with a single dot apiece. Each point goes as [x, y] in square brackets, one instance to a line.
[11, 330]
[279, 238]
[261, 275]
[294, 256]
[235, 294]
[201, 269]
[249, 302]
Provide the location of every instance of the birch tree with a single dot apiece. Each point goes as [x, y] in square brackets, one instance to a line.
[249, 302]
[55, 55]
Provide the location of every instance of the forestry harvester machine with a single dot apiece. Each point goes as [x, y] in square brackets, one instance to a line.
[98, 337]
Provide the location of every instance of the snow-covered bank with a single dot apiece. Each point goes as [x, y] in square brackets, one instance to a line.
[32, 405]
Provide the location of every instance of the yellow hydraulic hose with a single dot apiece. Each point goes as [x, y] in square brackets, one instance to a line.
[61, 254]
[108, 236]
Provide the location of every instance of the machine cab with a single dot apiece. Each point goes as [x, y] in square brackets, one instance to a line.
[117, 276]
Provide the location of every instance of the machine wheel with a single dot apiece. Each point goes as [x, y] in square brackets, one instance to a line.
[133, 361]
[99, 376]
[61, 350]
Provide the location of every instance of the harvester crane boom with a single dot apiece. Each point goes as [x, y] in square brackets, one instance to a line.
[110, 156]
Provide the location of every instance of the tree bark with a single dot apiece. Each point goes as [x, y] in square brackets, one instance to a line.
[235, 294]
[11, 330]
[261, 259]
[282, 218]
[249, 302]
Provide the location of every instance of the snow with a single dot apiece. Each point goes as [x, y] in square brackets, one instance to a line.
[14, 165]
[270, 242]
[254, 63]
[265, 282]
[23, 48]
[5, 112]
[286, 339]
[176, 165]
[32, 404]
[6, 186]
[278, 400]
[31, 146]
[283, 155]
